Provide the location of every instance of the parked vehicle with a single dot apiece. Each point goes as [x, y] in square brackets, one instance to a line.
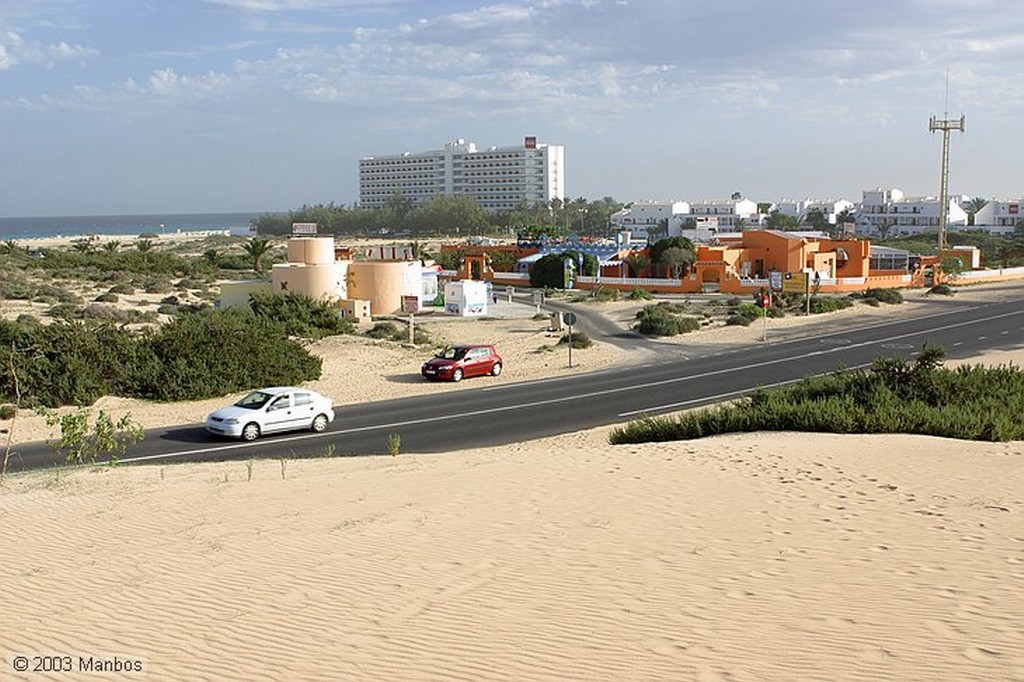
[453, 363]
[272, 410]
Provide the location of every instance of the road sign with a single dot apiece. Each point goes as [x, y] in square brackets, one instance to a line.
[795, 282]
[410, 304]
[570, 318]
[775, 280]
[764, 301]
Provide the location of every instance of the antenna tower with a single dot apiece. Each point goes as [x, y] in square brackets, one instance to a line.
[945, 125]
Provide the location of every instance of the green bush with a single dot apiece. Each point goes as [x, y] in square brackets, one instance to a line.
[749, 311]
[383, 330]
[195, 356]
[51, 293]
[213, 353]
[27, 321]
[98, 311]
[106, 298]
[300, 315]
[941, 290]
[14, 287]
[156, 286]
[738, 320]
[670, 307]
[64, 311]
[661, 320]
[122, 288]
[639, 294]
[577, 339]
[391, 332]
[8, 412]
[893, 396]
[828, 304]
[891, 296]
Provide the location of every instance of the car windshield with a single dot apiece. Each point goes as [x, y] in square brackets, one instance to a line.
[254, 400]
[452, 353]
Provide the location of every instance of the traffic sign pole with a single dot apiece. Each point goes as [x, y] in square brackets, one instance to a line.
[570, 345]
[570, 320]
[764, 315]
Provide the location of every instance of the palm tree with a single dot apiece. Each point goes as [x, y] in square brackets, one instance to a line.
[638, 264]
[144, 245]
[973, 206]
[257, 247]
[8, 246]
[112, 246]
[214, 257]
[82, 246]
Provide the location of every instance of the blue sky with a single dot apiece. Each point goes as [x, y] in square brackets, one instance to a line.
[147, 106]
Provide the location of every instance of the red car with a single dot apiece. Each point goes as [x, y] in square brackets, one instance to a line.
[455, 362]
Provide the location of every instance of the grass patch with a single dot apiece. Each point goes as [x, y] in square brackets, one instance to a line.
[894, 395]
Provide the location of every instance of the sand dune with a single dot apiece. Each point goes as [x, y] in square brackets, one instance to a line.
[764, 556]
[753, 557]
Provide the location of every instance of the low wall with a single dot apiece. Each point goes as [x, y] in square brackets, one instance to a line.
[828, 285]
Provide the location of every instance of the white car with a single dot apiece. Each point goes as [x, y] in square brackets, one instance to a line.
[271, 410]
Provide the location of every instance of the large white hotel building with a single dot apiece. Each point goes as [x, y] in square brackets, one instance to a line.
[499, 178]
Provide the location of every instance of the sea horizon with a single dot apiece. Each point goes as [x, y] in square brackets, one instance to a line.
[35, 227]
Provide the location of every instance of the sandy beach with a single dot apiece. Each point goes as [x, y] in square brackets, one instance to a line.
[767, 556]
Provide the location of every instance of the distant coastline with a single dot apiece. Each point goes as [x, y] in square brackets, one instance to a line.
[127, 225]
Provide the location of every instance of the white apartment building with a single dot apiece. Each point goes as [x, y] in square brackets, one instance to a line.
[642, 218]
[892, 213]
[728, 214]
[999, 216]
[799, 208]
[499, 178]
[698, 221]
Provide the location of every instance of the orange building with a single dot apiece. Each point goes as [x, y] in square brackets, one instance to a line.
[752, 254]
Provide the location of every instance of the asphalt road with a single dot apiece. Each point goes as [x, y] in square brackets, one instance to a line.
[666, 381]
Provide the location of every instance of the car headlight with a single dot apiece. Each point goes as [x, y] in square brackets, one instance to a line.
[231, 420]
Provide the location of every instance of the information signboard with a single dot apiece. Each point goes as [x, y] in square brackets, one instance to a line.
[410, 304]
[795, 282]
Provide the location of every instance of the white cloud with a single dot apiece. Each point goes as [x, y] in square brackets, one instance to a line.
[168, 83]
[16, 51]
[298, 5]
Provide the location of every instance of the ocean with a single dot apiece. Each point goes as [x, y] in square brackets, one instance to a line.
[127, 225]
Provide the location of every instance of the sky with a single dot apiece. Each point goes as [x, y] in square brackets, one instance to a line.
[151, 106]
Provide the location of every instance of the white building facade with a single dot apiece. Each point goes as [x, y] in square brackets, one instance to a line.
[890, 212]
[645, 219]
[499, 178]
[799, 208]
[999, 216]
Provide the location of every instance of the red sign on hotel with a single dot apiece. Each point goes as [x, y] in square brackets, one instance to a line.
[530, 142]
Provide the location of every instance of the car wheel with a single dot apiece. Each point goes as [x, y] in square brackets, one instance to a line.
[319, 423]
[251, 431]
[457, 375]
[496, 370]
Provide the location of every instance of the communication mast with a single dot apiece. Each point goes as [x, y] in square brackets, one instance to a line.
[945, 125]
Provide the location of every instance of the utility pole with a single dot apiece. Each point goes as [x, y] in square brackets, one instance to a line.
[945, 125]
